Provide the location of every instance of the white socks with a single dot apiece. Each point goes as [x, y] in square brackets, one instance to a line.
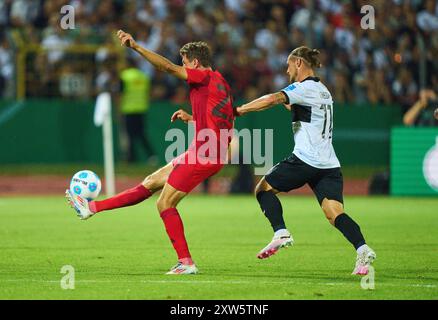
[362, 248]
[281, 233]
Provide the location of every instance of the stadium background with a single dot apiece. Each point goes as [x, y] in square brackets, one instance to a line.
[49, 78]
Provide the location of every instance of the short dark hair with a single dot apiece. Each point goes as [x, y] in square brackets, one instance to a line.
[197, 50]
[308, 55]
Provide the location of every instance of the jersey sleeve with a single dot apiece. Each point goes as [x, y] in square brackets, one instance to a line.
[195, 76]
[294, 93]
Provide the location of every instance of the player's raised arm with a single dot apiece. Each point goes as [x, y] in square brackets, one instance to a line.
[262, 103]
[158, 61]
[412, 114]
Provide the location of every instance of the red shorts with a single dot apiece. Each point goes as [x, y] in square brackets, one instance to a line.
[186, 175]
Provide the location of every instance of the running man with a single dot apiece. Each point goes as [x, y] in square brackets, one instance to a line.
[211, 111]
[313, 160]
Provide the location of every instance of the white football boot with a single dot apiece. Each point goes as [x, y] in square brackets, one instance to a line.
[79, 204]
[278, 241]
[181, 268]
[363, 261]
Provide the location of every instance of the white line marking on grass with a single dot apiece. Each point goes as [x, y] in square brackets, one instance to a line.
[223, 282]
[424, 285]
[283, 282]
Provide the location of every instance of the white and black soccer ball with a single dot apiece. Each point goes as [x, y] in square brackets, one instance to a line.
[86, 184]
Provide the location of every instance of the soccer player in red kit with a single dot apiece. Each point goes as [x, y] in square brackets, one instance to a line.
[212, 113]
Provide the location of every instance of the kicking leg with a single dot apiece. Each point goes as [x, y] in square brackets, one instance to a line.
[139, 193]
[166, 205]
[271, 207]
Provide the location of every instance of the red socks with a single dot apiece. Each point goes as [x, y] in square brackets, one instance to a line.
[126, 198]
[172, 220]
[175, 230]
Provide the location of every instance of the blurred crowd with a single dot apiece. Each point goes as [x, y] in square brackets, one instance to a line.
[250, 39]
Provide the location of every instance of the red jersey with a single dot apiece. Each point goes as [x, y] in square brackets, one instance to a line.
[211, 103]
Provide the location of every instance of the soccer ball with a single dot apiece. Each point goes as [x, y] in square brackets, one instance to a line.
[86, 184]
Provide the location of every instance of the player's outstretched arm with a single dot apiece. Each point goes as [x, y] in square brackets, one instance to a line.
[158, 61]
[262, 103]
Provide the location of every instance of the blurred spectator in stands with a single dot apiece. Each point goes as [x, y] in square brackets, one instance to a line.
[246, 35]
[75, 79]
[326, 70]
[2, 86]
[134, 106]
[267, 38]
[162, 89]
[422, 112]
[330, 49]
[198, 21]
[344, 35]
[427, 19]
[404, 88]
[4, 12]
[6, 68]
[242, 69]
[149, 37]
[236, 6]
[55, 40]
[180, 95]
[280, 15]
[378, 89]
[343, 92]
[301, 19]
[230, 27]
[277, 63]
[23, 12]
[107, 79]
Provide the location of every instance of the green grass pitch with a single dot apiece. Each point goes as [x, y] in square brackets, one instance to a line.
[124, 254]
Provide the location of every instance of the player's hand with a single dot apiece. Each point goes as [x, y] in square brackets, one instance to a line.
[236, 112]
[182, 115]
[126, 39]
[426, 95]
[287, 106]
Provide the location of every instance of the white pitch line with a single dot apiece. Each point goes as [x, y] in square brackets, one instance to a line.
[223, 282]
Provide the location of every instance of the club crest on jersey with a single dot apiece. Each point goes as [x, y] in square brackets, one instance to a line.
[324, 95]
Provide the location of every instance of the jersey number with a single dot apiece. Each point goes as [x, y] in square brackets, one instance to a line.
[217, 110]
[328, 113]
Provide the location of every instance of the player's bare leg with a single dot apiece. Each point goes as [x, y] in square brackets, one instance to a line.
[152, 183]
[166, 205]
[157, 180]
[334, 212]
[271, 206]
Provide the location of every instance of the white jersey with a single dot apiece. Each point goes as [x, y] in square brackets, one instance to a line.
[312, 122]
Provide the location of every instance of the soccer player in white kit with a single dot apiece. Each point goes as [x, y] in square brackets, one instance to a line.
[313, 160]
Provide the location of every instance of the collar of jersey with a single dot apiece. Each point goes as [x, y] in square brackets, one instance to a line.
[311, 78]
